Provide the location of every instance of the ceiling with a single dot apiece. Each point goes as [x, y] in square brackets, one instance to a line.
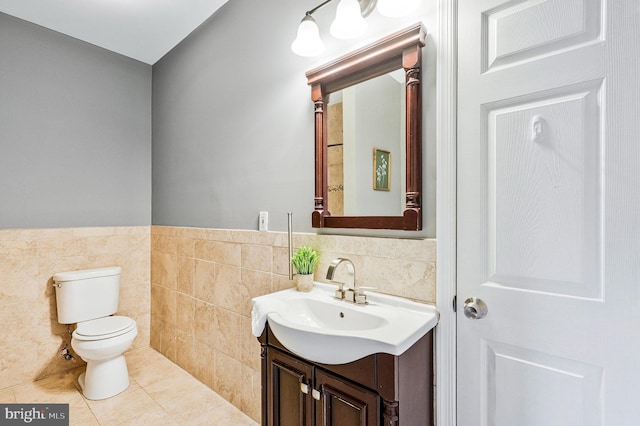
[141, 29]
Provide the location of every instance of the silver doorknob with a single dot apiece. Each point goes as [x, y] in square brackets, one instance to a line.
[475, 308]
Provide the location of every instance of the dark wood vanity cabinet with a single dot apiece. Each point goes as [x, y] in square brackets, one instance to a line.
[294, 386]
[380, 389]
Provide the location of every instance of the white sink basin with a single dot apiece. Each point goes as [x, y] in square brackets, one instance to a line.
[327, 315]
[320, 328]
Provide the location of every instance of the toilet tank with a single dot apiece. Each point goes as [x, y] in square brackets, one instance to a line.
[87, 294]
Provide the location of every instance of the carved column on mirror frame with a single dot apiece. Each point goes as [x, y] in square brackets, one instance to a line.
[390, 413]
[412, 64]
[320, 101]
[414, 133]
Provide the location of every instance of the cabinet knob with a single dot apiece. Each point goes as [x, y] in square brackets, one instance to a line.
[304, 388]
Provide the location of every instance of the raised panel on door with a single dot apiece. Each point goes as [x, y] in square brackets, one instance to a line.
[529, 388]
[289, 382]
[541, 181]
[548, 193]
[517, 31]
[345, 404]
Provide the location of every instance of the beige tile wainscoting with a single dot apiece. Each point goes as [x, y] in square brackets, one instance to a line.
[202, 282]
[189, 290]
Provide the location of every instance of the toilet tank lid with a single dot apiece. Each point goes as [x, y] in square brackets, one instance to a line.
[86, 274]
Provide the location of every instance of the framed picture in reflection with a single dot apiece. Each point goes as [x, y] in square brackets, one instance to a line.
[381, 169]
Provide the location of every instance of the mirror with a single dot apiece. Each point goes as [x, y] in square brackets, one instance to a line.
[368, 128]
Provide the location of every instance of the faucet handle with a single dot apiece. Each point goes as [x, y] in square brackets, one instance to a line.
[340, 291]
[359, 297]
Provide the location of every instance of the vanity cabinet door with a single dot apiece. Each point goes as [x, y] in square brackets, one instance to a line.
[343, 403]
[289, 390]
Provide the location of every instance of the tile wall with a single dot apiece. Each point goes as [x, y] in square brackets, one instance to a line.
[202, 282]
[189, 290]
[31, 337]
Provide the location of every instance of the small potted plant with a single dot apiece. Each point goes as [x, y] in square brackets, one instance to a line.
[305, 261]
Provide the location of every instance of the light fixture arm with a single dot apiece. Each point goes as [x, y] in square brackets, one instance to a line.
[312, 11]
[366, 7]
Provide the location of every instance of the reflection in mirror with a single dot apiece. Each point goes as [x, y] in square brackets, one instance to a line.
[362, 118]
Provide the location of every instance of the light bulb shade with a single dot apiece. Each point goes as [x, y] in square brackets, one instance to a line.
[349, 22]
[397, 8]
[308, 42]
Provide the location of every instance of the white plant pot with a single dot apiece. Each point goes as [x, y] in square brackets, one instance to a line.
[304, 282]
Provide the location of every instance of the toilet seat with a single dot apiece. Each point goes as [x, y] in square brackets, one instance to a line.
[104, 328]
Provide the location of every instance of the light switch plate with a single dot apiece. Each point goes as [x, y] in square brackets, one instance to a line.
[263, 223]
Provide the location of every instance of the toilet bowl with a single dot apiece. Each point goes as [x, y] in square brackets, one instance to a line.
[89, 298]
[101, 343]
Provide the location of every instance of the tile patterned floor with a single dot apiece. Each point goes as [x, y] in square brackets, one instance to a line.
[160, 394]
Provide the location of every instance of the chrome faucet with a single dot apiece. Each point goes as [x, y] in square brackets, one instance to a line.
[353, 294]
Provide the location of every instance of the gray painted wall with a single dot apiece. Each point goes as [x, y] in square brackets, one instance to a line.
[379, 125]
[75, 132]
[233, 119]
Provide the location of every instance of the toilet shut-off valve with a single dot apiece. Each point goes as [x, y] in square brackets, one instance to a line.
[64, 352]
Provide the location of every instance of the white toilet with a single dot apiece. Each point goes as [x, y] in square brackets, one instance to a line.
[90, 298]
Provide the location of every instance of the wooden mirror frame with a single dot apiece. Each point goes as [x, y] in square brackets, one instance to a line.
[399, 50]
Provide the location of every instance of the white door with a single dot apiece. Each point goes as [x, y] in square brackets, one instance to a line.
[549, 212]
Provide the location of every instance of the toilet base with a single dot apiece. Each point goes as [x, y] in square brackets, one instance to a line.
[104, 378]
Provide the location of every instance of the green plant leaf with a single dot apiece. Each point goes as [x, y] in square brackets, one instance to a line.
[305, 260]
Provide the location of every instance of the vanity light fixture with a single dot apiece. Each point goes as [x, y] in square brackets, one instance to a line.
[349, 22]
[308, 42]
